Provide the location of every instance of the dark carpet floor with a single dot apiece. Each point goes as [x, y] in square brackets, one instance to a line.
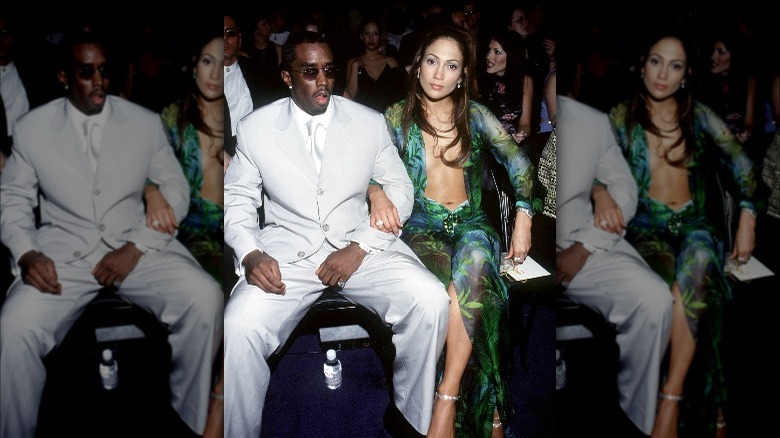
[299, 404]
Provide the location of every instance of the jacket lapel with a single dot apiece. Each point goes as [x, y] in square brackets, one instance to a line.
[334, 141]
[292, 145]
[68, 142]
[110, 153]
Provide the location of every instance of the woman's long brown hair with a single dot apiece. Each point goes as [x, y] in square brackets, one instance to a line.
[415, 112]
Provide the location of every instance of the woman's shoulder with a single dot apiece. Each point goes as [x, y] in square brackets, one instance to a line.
[478, 108]
[394, 110]
[700, 108]
[170, 113]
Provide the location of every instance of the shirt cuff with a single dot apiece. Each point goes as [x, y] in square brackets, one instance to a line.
[367, 249]
[141, 247]
[588, 247]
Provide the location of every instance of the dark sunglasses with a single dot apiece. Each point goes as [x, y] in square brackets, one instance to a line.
[87, 72]
[311, 73]
[231, 33]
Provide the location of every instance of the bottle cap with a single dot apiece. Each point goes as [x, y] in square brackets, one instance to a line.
[107, 354]
[331, 354]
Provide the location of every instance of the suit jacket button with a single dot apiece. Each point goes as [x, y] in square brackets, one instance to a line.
[325, 227]
[76, 253]
[102, 227]
[320, 192]
[301, 253]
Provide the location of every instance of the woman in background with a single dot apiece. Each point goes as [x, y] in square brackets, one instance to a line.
[373, 78]
[508, 89]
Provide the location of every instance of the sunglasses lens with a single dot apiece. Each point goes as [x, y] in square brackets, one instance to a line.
[231, 33]
[87, 72]
[312, 73]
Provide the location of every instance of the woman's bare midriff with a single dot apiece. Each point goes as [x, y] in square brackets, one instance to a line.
[446, 185]
[668, 182]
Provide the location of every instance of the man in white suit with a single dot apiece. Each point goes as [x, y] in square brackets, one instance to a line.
[601, 269]
[92, 233]
[317, 234]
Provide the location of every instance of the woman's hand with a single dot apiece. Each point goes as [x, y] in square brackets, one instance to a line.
[520, 135]
[745, 241]
[384, 215]
[159, 213]
[607, 214]
[520, 243]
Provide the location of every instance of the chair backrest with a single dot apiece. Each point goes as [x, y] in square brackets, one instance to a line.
[498, 199]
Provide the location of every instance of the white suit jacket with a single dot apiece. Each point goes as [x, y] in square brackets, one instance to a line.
[587, 150]
[78, 207]
[303, 210]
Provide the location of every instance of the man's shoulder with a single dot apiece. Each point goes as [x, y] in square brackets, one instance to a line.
[269, 110]
[42, 111]
[354, 109]
[572, 111]
[130, 108]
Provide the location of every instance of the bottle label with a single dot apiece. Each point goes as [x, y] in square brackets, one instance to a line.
[333, 375]
[109, 376]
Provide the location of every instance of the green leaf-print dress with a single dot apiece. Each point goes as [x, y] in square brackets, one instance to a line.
[683, 246]
[462, 247]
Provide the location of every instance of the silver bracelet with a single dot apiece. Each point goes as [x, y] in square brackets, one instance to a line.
[751, 211]
[446, 397]
[527, 211]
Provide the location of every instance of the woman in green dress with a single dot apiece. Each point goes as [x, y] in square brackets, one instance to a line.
[669, 141]
[443, 137]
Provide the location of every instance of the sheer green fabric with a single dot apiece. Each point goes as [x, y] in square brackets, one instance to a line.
[461, 247]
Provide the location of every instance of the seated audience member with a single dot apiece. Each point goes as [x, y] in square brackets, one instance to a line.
[89, 155]
[331, 147]
[671, 142]
[374, 78]
[445, 138]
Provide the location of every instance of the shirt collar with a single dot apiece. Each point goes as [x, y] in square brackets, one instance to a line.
[78, 117]
[302, 117]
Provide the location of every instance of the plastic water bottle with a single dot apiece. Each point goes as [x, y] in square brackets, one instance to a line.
[560, 370]
[109, 375]
[332, 370]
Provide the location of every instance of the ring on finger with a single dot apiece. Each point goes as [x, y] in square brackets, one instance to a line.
[379, 223]
[603, 223]
[342, 283]
[155, 223]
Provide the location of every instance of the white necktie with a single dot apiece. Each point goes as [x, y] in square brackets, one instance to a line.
[314, 144]
[92, 146]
